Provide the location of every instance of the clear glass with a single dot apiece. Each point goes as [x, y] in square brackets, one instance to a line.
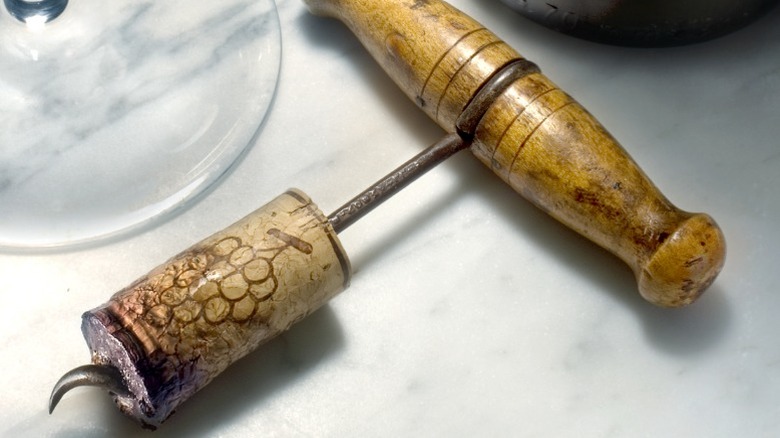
[116, 113]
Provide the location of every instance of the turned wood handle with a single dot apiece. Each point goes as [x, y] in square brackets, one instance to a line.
[540, 141]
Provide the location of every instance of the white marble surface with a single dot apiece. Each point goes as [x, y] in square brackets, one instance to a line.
[470, 313]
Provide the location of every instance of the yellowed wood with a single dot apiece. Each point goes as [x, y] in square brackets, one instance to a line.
[540, 141]
[175, 329]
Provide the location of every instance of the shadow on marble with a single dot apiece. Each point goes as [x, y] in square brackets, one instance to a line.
[271, 368]
[693, 329]
[681, 332]
[244, 386]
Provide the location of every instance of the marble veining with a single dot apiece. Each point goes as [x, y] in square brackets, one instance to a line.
[140, 94]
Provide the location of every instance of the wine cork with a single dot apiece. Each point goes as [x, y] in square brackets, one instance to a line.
[175, 329]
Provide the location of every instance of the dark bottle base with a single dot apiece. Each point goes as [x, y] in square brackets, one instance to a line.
[643, 23]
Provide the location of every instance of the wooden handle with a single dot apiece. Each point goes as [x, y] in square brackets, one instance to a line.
[540, 141]
[176, 328]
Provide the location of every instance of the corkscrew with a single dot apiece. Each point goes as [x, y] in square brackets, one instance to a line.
[161, 339]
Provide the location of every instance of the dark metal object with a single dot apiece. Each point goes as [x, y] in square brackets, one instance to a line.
[35, 11]
[467, 123]
[401, 177]
[102, 376]
[645, 23]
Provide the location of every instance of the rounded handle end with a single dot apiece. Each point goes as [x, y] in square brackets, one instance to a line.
[685, 264]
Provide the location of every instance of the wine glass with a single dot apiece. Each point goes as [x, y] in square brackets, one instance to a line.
[114, 114]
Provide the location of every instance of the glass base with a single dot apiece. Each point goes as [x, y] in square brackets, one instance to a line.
[116, 113]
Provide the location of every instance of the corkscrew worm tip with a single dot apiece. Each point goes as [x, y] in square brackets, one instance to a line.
[102, 376]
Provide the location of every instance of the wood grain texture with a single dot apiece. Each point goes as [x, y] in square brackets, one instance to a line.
[540, 141]
[175, 329]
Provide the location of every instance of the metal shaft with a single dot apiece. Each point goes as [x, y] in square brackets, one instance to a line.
[386, 187]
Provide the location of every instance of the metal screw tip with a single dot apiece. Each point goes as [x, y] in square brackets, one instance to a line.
[102, 376]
